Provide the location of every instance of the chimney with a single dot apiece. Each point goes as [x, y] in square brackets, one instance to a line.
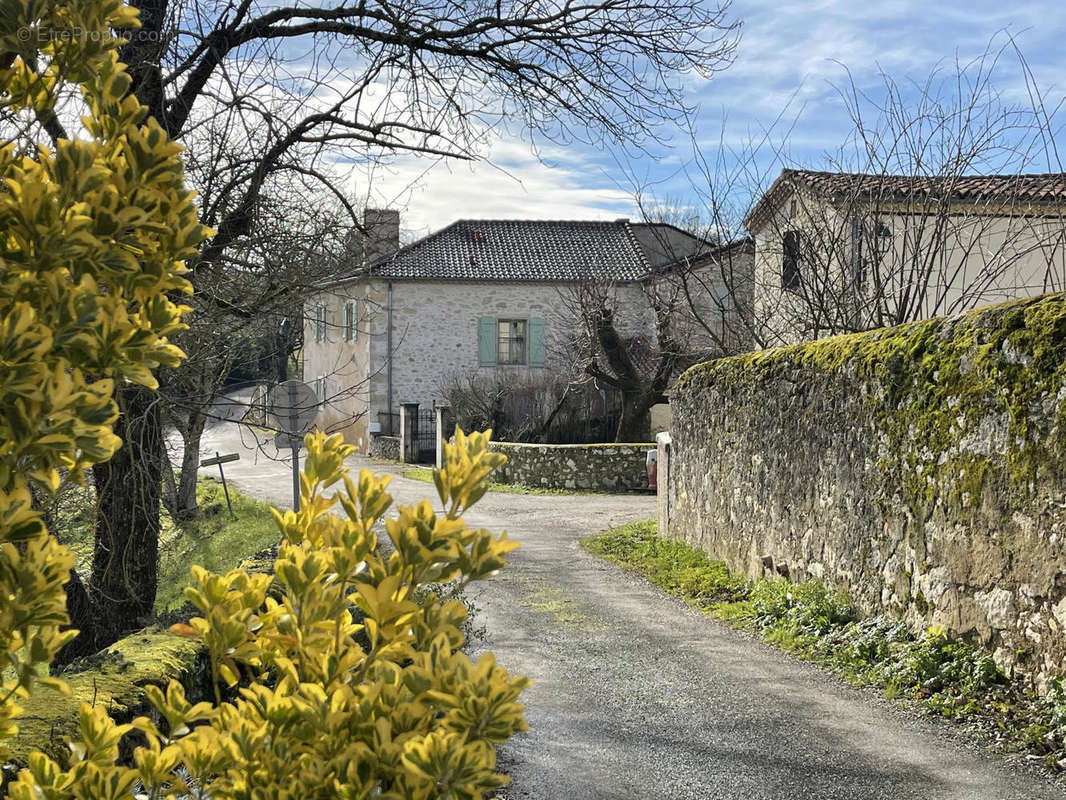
[383, 233]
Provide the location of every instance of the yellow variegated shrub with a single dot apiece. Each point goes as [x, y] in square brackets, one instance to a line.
[93, 232]
[315, 701]
[336, 679]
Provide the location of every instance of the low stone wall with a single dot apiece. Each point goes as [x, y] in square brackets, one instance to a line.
[591, 467]
[384, 447]
[921, 468]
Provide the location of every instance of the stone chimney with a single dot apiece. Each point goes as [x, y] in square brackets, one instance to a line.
[383, 233]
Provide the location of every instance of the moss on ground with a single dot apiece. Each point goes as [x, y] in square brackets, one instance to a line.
[216, 542]
[943, 676]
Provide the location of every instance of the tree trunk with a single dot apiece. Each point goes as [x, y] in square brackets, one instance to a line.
[125, 567]
[634, 424]
[186, 506]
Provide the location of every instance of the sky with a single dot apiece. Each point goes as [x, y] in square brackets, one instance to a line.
[791, 61]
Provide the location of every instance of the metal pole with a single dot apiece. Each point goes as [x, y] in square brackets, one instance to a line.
[224, 487]
[296, 477]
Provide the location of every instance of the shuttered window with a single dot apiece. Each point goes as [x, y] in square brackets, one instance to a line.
[510, 342]
[792, 259]
[320, 323]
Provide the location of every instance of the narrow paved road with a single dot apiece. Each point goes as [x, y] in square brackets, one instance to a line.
[637, 696]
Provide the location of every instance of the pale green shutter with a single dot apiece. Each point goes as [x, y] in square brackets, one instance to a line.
[536, 343]
[486, 341]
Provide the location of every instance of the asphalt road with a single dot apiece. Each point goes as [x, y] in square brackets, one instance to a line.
[636, 695]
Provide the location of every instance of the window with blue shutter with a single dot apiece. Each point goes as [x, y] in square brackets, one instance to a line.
[486, 341]
[536, 342]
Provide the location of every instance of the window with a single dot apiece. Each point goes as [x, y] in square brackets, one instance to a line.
[791, 259]
[351, 333]
[320, 323]
[511, 341]
[320, 389]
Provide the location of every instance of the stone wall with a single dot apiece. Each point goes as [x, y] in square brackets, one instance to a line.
[921, 468]
[385, 447]
[591, 467]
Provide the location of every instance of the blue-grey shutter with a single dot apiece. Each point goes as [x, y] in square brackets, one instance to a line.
[536, 342]
[486, 341]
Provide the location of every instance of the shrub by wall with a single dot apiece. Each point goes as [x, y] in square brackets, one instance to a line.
[920, 467]
[595, 467]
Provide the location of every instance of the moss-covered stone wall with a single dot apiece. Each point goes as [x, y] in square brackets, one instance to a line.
[921, 467]
[590, 467]
[114, 678]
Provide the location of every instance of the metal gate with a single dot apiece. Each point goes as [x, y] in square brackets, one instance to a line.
[425, 435]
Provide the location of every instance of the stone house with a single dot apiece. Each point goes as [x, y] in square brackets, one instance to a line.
[479, 297]
[838, 252]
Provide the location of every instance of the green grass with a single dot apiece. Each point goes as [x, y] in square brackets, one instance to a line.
[426, 474]
[215, 542]
[943, 676]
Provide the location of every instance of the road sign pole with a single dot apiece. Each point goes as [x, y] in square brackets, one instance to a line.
[225, 488]
[295, 477]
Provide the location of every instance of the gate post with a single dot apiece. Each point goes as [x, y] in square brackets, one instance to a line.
[664, 445]
[409, 433]
[445, 430]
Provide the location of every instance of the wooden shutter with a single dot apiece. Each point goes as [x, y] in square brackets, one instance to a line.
[536, 342]
[486, 341]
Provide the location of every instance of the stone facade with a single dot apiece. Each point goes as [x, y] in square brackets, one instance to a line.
[920, 468]
[590, 467]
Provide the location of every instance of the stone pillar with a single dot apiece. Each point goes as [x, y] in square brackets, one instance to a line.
[409, 433]
[445, 431]
[665, 444]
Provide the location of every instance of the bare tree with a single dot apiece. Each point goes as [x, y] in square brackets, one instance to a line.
[946, 195]
[306, 85]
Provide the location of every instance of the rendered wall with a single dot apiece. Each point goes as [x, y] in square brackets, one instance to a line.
[921, 468]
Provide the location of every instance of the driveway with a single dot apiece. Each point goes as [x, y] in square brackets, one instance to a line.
[636, 695]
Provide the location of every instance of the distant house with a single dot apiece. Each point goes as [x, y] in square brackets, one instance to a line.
[838, 251]
[477, 297]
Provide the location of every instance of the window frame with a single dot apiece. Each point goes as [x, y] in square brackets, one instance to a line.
[524, 339]
[320, 322]
[351, 317]
[792, 246]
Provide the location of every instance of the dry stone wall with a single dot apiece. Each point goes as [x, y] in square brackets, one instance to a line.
[590, 467]
[922, 468]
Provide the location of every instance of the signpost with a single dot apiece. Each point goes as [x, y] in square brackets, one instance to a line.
[220, 460]
[293, 406]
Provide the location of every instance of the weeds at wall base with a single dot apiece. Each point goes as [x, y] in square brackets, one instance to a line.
[941, 676]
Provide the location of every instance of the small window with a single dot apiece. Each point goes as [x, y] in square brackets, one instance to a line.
[320, 323]
[792, 259]
[320, 389]
[511, 341]
[351, 333]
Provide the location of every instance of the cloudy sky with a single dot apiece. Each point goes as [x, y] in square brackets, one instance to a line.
[785, 80]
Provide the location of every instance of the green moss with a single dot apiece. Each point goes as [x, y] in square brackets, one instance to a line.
[930, 383]
[217, 542]
[115, 679]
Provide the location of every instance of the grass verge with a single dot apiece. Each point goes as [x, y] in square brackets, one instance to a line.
[426, 474]
[943, 676]
[215, 542]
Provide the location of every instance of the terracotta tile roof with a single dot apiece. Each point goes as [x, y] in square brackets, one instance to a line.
[536, 250]
[1022, 188]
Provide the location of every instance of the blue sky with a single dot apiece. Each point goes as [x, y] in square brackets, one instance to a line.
[790, 59]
